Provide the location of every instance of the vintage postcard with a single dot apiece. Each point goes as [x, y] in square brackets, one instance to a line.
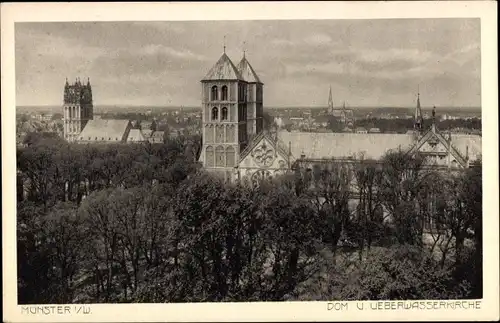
[301, 161]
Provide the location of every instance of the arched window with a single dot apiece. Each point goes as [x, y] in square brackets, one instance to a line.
[209, 156]
[230, 156]
[215, 114]
[224, 93]
[219, 156]
[214, 95]
[224, 114]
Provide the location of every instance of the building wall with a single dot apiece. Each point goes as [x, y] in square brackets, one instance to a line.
[255, 109]
[224, 118]
[262, 161]
[77, 108]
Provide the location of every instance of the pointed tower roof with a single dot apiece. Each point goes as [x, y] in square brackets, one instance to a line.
[418, 109]
[247, 72]
[330, 99]
[224, 69]
[418, 122]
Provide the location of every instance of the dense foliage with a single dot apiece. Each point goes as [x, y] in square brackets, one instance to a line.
[143, 223]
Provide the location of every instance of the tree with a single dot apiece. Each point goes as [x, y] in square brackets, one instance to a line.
[98, 212]
[369, 222]
[63, 234]
[328, 188]
[399, 188]
[292, 238]
[398, 273]
[335, 124]
[33, 269]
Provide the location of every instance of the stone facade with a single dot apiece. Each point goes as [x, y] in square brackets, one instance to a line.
[232, 112]
[78, 108]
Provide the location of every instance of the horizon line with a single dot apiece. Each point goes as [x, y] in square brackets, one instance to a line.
[274, 107]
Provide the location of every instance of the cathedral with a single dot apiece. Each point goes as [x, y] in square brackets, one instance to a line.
[236, 146]
[81, 127]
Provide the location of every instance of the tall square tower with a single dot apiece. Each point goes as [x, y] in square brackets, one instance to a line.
[255, 97]
[224, 104]
[78, 108]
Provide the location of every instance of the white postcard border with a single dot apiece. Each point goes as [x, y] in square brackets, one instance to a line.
[259, 311]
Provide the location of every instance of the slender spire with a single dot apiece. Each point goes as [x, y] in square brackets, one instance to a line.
[224, 44]
[244, 48]
[330, 99]
[344, 114]
[418, 114]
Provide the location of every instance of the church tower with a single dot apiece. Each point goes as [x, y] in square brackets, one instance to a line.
[419, 121]
[77, 108]
[255, 89]
[224, 104]
[330, 101]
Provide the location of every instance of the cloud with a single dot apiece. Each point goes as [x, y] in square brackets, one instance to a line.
[158, 49]
[318, 39]
[368, 60]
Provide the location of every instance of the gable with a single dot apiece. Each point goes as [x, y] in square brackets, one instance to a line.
[437, 147]
[263, 154]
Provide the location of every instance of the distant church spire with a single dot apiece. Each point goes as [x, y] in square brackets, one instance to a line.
[224, 44]
[330, 100]
[418, 114]
[244, 49]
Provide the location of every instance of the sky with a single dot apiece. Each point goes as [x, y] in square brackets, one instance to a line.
[365, 62]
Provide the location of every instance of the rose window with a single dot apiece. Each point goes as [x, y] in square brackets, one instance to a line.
[263, 155]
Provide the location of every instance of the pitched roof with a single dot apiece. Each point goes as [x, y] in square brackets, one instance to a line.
[135, 135]
[224, 69]
[247, 72]
[109, 129]
[343, 145]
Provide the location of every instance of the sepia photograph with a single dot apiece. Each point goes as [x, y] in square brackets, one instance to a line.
[249, 160]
